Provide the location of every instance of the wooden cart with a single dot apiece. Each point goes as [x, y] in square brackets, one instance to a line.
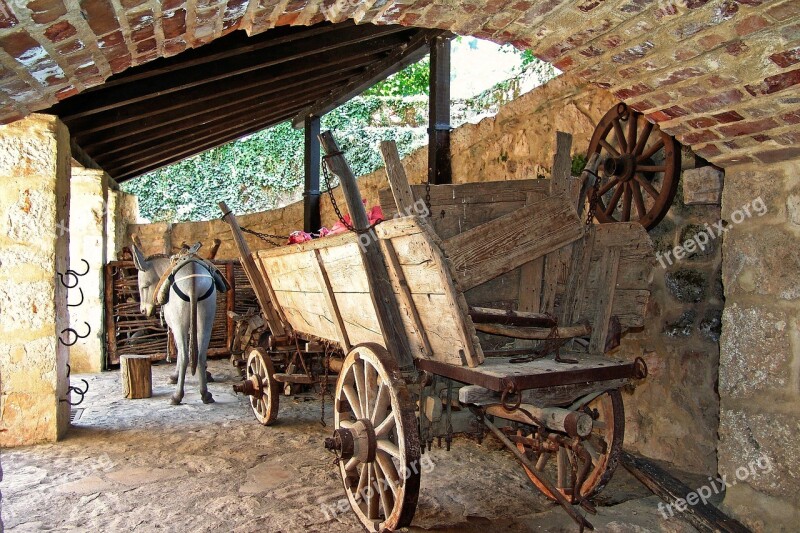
[392, 302]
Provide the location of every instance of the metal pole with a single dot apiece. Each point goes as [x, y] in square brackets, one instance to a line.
[439, 170]
[311, 215]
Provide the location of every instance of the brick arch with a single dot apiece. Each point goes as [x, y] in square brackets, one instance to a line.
[721, 75]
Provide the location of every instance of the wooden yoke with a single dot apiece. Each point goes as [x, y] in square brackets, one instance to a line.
[381, 290]
[251, 271]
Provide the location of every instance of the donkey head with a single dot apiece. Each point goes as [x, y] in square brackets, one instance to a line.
[148, 278]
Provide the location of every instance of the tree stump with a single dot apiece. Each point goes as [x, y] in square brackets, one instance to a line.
[137, 380]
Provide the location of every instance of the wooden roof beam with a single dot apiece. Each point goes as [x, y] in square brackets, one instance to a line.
[129, 93]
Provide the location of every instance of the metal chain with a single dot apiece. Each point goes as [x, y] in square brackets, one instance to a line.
[267, 237]
[428, 197]
[333, 199]
[594, 198]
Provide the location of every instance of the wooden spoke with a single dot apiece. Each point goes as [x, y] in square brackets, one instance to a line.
[353, 400]
[371, 383]
[641, 210]
[626, 203]
[390, 448]
[383, 429]
[607, 187]
[351, 464]
[389, 471]
[603, 446]
[612, 204]
[632, 125]
[651, 151]
[648, 128]
[611, 150]
[370, 388]
[382, 403]
[623, 144]
[642, 148]
[358, 369]
[260, 369]
[647, 186]
[387, 496]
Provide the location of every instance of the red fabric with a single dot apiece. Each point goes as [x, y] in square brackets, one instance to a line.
[297, 237]
[373, 215]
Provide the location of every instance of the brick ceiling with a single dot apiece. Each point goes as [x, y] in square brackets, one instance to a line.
[721, 75]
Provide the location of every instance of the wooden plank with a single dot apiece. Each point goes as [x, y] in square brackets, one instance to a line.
[381, 292]
[404, 292]
[503, 244]
[530, 333]
[702, 514]
[561, 175]
[398, 181]
[578, 275]
[477, 192]
[252, 273]
[605, 299]
[330, 300]
[136, 377]
[111, 327]
[587, 180]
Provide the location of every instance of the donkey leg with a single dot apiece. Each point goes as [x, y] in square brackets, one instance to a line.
[183, 363]
[206, 322]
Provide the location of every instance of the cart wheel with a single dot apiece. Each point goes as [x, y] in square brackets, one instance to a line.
[640, 169]
[604, 444]
[260, 373]
[376, 438]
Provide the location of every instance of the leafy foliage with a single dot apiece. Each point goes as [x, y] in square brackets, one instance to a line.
[413, 80]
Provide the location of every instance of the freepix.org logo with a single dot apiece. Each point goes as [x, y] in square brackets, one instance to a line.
[701, 239]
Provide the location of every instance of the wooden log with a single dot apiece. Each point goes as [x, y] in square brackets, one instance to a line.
[381, 290]
[487, 315]
[398, 181]
[562, 332]
[503, 244]
[701, 514]
[253, 275]
[137, 380]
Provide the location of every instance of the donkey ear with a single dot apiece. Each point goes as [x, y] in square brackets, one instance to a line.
[138, 258]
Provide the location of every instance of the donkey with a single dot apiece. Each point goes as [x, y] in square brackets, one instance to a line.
[187, 290]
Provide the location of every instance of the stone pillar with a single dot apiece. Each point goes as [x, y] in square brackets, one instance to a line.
[34, 247]
[759, 379]
[87, 226]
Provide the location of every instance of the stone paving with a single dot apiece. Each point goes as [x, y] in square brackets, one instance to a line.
[145, 465]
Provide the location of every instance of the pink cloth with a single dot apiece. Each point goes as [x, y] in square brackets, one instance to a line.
[373, 215]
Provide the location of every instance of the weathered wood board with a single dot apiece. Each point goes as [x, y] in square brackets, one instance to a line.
[441, 309]
[506, 243]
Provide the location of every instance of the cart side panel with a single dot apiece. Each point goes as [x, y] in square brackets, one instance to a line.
[440, 309]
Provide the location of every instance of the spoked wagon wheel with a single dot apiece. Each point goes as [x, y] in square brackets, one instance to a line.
[563, 464]
[640, 168]
[376, 439]
[264, 388]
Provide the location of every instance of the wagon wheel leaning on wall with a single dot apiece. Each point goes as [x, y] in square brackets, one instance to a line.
[639, 171]
[376, 439]
[560, 459]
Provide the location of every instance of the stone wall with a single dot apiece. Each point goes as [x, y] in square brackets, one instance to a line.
[674, 414]
[88, 230]
[759, 379]
[34, 246]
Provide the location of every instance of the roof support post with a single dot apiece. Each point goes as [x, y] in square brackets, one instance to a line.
[311, 213]
[439, 169]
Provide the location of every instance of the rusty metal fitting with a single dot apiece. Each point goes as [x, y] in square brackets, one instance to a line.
[639, 368]
[342, 443]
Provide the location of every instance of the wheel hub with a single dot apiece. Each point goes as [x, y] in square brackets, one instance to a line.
[250, 387]
[622, 168]
[358, 441]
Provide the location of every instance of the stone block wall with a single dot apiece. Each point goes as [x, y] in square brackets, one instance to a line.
[759, 380]
[88, 229]
[34, 246]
